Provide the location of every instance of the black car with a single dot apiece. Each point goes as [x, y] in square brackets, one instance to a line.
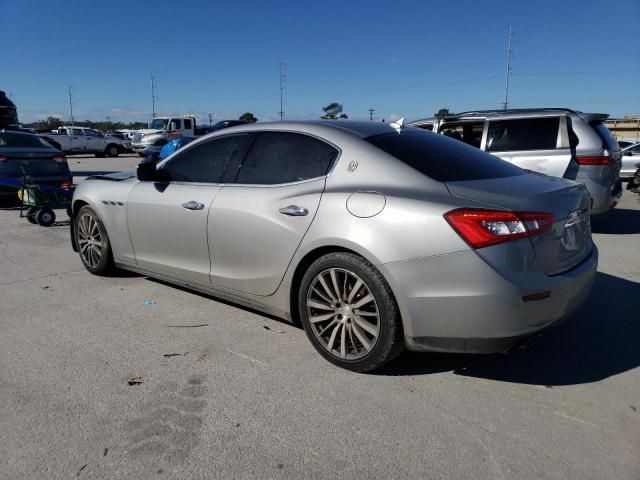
[26, 157]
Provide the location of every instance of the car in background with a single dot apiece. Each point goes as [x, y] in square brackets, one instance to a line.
[554, 141]
[160, 152]
[204, 129]
[27, 157]
[624, 144]
[630, 158]
[375, 236]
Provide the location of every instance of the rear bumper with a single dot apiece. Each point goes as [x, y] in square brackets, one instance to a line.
[604, 195]
[458, 303]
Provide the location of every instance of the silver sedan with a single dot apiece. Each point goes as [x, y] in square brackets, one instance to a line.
[376, 237]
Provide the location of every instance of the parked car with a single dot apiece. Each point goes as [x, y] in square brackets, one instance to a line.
[554, 141]
[158, 152]
[624, 144]
[24, 156]
[71, 139]
[630, 157]
[163, 129]
[204, 129]
[374, 236]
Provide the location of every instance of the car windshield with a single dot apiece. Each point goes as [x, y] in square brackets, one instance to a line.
[22, 140]
[158, 124]
[442, 158]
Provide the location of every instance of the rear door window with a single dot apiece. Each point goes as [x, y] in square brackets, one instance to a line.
[209, 161]
[523, 134]
[282, 157]
[467, 132]
[441, 158]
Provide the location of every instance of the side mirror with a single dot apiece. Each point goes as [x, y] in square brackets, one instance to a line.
[146, 171]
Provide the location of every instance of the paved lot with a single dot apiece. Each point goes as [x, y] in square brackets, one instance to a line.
[248, 397]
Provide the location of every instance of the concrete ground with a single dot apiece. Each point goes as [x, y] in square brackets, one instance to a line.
[229, 393]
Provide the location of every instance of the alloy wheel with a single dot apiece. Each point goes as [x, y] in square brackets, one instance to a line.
[343, 313]
[89, 240]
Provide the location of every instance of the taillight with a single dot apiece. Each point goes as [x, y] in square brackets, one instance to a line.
[65, 185]
[595, 160]
[481, 228]
[59, 158]
[2, 157]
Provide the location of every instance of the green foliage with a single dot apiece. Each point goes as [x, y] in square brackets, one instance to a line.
[443, 112]
[333, 111]
[248, 117]
[51, 123]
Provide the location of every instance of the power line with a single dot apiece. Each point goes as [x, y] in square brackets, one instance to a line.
[505, 104]
[601, 72]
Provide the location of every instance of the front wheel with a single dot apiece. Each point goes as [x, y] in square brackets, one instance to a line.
[93, 242]
[112, 151]
[45, 217]
[349, 313]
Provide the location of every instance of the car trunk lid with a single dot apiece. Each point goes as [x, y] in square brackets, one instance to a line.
[568, 241]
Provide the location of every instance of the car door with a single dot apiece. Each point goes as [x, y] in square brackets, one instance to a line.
[537, 144]
[95, 141]
[256, 225]
[167, 219]
[78, 140]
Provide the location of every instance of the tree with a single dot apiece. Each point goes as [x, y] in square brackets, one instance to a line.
[443, 112]
[248, 117]
[333, 111]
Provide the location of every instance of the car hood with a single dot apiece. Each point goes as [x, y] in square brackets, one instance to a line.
[149, 131]
[114, 177]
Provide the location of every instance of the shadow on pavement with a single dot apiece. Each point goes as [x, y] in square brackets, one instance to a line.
[600, 340]
[619, 221]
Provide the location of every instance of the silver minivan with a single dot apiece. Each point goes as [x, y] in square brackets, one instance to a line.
[554, 141]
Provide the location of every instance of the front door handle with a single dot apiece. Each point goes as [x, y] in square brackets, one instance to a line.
[193, 205]
[294, 211]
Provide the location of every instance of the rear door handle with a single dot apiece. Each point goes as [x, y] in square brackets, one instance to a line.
[294, 211]
[193, 205]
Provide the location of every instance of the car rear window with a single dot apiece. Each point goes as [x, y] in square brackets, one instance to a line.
[442, 158]
[36, 166]
[523, 134]
[610, 143]
[22, 140]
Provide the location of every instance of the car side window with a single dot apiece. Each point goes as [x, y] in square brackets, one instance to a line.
[211, 161]
[77, 131]
[283, 157]
[467, 132]
[175, 124]
[523, 134]
[187, 123]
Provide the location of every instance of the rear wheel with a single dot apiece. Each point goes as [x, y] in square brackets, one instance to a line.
[31, 215]
[349, 313]
[45, 217]
[112, 150]
[93, 242]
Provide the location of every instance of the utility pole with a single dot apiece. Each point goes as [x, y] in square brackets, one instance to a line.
[209, 119]
[283, 82]
[371, 111]
[154, 97]
[109, 123]
[505, 104]
[71, 105]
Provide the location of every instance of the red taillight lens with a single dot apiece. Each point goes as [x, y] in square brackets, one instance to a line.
[59, 158]
[2, 157]
[65, 185]
[481, 228]
[595, 160]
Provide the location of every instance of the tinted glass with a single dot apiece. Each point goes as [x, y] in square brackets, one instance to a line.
[77, 131]
[467, 132]
[279, 157]
[609, 141]
[208, 161]
[9, 139]
[524, 134]
[92, 133]
[39, 166]
[442, 158]
[187, 123]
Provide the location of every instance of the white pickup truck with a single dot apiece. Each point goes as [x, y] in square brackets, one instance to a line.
[163, 129]
[86, 140]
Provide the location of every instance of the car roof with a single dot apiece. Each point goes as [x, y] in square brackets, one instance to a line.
[516, 113]
[360, 129]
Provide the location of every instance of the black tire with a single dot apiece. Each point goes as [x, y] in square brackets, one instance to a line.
[69, 211]
[112, 150]
[31, 215]
[45, 217]
[105, 265]
[390, 338]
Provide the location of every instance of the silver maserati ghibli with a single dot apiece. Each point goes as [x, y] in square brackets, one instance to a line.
[375, 237]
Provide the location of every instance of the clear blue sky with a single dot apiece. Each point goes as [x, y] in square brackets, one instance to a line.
[402, 58]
